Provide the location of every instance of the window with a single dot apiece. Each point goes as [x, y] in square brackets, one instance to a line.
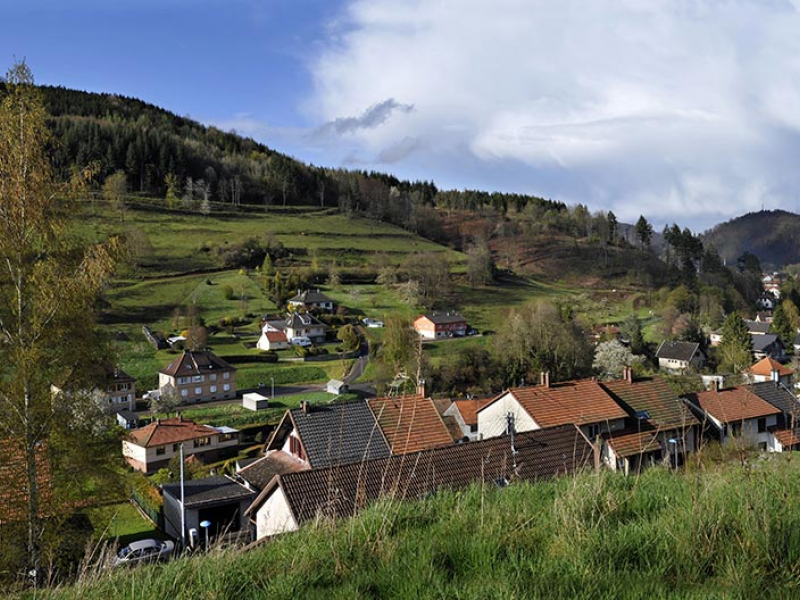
[213, 389]
[593, 431]
[176, 447]
[197, 379]
[161, 450]
[226, 387]
[203, 441]
[183, 380]
[184, 393]
[762, 425]
[212, 377]
[296, 448]
[198, 391]
[123, 386]
[226, 375]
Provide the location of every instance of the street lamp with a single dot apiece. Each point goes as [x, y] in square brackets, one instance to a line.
[205, 525]
[674, 443]
[272, 381]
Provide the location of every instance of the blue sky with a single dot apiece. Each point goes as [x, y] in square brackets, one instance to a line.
[685, 111]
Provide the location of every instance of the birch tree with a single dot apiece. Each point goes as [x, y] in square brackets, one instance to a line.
[48, 287]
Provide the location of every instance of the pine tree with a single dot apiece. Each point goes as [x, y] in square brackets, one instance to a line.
[736, 348]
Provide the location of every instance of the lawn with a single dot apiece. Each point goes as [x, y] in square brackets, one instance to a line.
[121, 521]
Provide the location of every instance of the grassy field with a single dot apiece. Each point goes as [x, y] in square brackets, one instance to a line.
[121, 522]
[710, 532]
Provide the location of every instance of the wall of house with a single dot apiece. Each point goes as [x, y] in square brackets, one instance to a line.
[492, 419]
[749, 432]
[672, 364]
[153, 458]
[274, 516]
[287, 446]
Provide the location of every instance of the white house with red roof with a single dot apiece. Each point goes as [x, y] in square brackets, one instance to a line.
[151, 447]
[272, 339]
[769, 369]
[584, 403]
[437, 325]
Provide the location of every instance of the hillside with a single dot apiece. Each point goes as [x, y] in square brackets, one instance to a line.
[714, 532]
[772, 235]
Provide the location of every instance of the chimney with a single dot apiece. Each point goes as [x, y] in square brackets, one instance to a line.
[304, 406]
[180, 416]
[628, 371]
[421, 391]
[715, 385]
[775, 376]
[544, 379]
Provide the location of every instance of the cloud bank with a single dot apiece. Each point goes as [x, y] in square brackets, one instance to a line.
[682, 110]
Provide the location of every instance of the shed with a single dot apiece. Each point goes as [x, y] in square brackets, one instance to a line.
[337, 387]
[255, 401]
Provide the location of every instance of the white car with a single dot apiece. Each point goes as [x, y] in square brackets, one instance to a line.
[372, 322]
[301, 341]
[144, 551]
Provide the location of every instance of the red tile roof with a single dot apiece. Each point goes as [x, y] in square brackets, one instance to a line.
[630, 441]
[579, 402]
[469, 409]
[410, 423]
[169, 431]
[732, 404]
[13, 482]
[276, 336]
[786, 437]
[767, 365]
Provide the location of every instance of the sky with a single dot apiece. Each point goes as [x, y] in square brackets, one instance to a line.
[684, 111]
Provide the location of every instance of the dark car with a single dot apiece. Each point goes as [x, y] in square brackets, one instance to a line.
[144, 551]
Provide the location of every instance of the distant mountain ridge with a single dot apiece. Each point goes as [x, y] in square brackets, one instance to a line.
[772, 235]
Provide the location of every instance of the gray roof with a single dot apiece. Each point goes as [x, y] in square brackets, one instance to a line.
[761, 343]
[334, 434]
[310, 297]
[342, 490]
[758, 327]
[261, 471]
[778, 395]
[300, 320]
[445, 317]
[678, 350]
[211, 490]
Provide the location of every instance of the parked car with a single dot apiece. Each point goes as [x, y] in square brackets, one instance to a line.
[301, 341]
[372, 322]
[144, 551]
[151, 395]
[472, 331]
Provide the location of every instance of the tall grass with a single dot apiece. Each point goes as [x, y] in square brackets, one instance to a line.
[726, 532]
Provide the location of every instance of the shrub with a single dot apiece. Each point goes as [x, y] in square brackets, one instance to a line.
[227, 292]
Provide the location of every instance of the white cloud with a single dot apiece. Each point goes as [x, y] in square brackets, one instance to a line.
[678, 109]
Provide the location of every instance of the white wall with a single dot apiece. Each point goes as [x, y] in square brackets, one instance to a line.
[492, 419]
[274, 516]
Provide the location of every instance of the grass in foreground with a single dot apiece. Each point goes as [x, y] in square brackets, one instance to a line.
[722, 532]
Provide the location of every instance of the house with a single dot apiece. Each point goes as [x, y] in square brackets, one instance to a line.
[120, 390]
[410, 423]
[680, 356]
[584, 403]
[435, 325]
[340, 491]
[198, 376]
[736, 412]
[331, 434]
[767, 345]
[764, 316]
[219, 500]
[115, 391]
[272, 339]
[151, 447]
[767, 300]
[715, 338]
[659, 427]
[311, 300]
[465, 413]
[298, 325]
[769, 369]
[781, 397]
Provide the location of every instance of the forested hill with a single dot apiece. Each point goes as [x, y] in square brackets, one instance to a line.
[166, 155]
[772, 235]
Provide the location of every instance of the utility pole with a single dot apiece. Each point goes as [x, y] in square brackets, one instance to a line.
[183, 506]
[511, 431]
